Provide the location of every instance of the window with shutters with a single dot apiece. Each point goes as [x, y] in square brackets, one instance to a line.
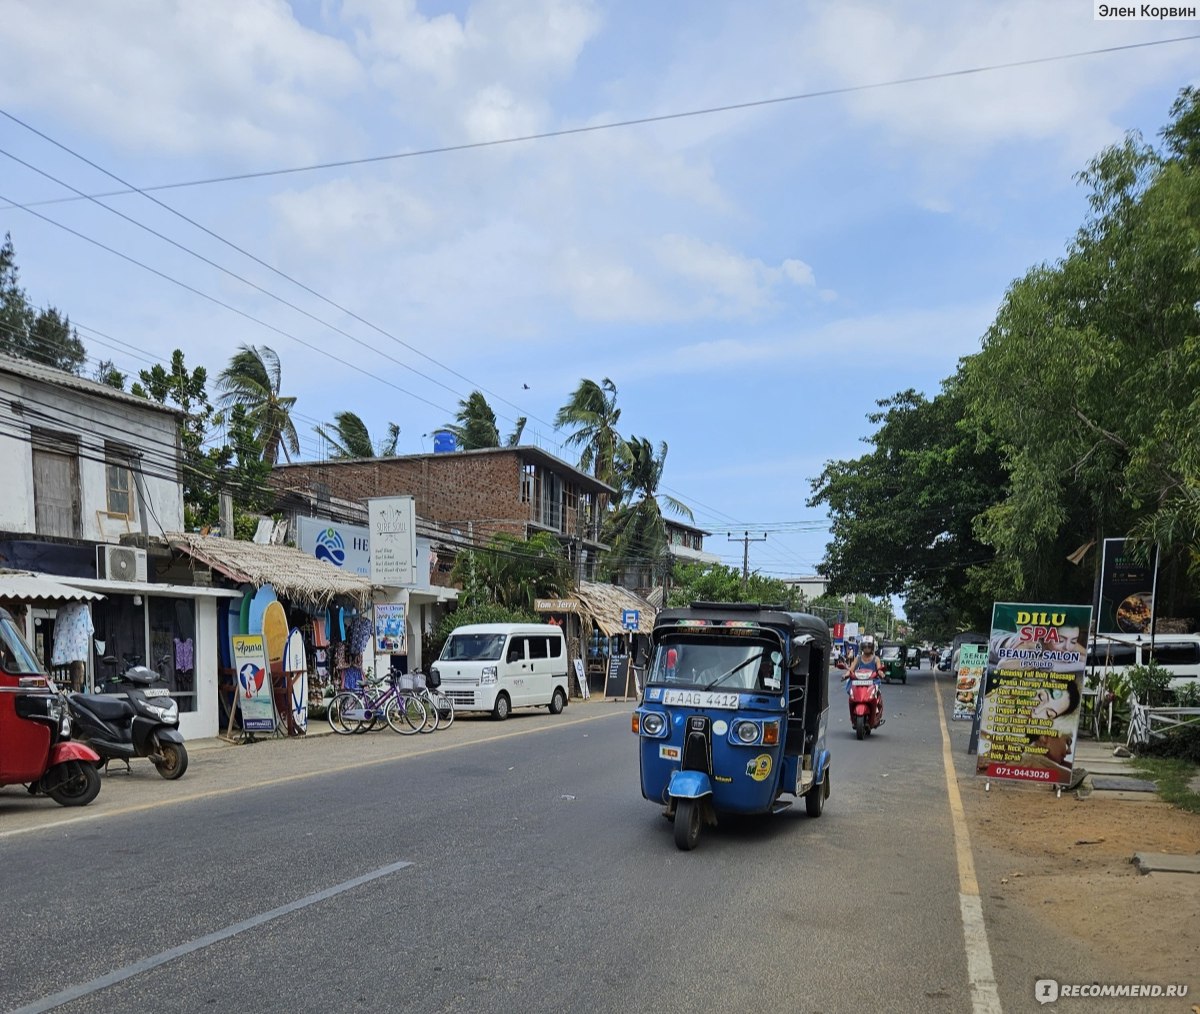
[56, 484]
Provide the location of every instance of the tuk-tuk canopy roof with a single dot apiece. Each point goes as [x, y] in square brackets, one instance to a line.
[795, 624]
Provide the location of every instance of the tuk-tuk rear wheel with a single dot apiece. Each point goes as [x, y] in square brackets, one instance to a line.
[78, 785]
[814, 799]
[687, 823]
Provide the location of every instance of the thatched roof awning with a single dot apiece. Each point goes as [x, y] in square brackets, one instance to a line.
[606, 602]
[293, 574]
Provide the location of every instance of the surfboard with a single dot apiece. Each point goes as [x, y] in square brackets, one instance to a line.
[258, 605]
[274, 627]
[244, 613]
[295, 660]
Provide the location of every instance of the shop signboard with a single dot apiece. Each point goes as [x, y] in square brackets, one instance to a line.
[1127, 585]
[254, 690]
[1029, 717]
[392, 520]
[390, 629]
[581, 678]
[344, 546]
[972, 659]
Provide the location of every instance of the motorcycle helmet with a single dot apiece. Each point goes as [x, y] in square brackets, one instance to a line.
[867, 643]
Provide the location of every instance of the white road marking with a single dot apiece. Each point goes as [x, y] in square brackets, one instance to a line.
[138, 967]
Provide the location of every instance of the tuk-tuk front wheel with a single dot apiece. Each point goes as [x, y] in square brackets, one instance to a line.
[78, 784]
[687, 823]
[814, 799]
[860, 727]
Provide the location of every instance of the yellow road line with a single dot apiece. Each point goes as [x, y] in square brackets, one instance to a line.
[984, 997]
[297, 777]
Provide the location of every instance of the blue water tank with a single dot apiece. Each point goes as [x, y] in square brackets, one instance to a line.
[444, 442]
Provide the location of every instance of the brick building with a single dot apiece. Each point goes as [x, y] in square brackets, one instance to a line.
[465, 497]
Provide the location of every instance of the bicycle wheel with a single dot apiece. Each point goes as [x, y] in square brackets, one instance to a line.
[445, 709]
[406, 715]
[345, 713]
[431, 713]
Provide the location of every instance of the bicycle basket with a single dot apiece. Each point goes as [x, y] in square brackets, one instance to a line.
[407, 682]
[433, 679]
[419, 680]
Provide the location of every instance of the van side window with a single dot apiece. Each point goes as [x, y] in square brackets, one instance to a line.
[556, 647]
[537, 648]
[516, 649]
[1176, 654]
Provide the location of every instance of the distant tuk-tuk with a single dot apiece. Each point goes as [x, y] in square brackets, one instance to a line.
[895, 669]
[734, 713]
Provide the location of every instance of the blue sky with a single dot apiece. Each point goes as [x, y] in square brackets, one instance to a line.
[752, 281]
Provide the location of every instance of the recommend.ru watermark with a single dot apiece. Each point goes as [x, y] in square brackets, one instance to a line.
[1050, 990]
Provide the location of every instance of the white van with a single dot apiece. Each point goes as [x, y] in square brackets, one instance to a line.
[500, 666]
[1179, 653]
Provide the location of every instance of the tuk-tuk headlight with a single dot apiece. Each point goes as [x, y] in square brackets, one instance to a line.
[653, 725]
[745, 732]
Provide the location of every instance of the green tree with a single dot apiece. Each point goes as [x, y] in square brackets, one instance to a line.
[44, 336]
[253, 380]
[715, 582]
[902, 516]
[349, 438]
[106, 373]
[636, 530]
[475, 424]
[592, 415]
[512, 572]
[1089, 379]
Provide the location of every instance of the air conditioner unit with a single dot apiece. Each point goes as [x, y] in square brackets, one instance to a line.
[120, 563]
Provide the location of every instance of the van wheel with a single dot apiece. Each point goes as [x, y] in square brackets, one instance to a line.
[558, 702]
[502, 708]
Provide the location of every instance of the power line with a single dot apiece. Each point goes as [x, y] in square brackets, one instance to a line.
[638, 121]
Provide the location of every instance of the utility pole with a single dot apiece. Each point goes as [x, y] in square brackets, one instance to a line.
[745, 540]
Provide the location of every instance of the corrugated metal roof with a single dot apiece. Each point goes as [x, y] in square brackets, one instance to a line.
[60, 378]
[29, 586]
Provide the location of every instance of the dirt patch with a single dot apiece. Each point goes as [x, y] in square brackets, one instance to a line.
[1066, 861]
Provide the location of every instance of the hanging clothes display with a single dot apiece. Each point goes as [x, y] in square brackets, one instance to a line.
[184, 653]
[73, 631]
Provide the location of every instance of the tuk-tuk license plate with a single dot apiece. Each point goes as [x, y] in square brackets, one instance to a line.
[700, 699]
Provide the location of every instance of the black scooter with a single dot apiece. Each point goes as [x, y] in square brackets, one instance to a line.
[137, 720]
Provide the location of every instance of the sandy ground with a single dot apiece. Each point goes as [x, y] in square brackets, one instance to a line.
[1067, 862]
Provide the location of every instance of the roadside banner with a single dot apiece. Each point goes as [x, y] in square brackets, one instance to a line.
[254, 691]
[972, 658]
[1031, 692]
[1127, 586]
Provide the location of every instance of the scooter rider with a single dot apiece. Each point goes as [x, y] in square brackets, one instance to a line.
[866, 666]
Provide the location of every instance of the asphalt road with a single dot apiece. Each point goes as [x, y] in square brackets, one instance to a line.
[492, 867]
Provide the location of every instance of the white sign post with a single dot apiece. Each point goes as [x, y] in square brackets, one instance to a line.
[393, 541]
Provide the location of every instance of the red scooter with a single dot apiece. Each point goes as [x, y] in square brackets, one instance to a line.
[35, 745]
[866, 703]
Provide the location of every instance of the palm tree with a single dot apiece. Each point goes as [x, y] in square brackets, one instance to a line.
[252, 380]
[593, 413]
[475, 425]
[636, 529]
[349, 438]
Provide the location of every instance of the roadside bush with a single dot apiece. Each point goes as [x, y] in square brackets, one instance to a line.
[1150, 683]
[1182, 742]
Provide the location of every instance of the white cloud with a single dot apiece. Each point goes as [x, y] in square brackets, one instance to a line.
[239, 77]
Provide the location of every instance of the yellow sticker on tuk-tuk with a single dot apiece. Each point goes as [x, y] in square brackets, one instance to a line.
[759, 768]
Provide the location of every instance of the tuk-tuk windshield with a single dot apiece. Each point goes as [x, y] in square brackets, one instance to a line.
[15, 656]
[473, 647]
[891, 652]
[742, 665]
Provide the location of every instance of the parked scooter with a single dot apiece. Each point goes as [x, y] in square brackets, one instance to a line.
[35, 745]
[136, 720]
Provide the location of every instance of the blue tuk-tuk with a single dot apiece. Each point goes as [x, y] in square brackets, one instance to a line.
[733, 714]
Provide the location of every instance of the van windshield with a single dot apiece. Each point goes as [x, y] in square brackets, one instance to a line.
[473, 647]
